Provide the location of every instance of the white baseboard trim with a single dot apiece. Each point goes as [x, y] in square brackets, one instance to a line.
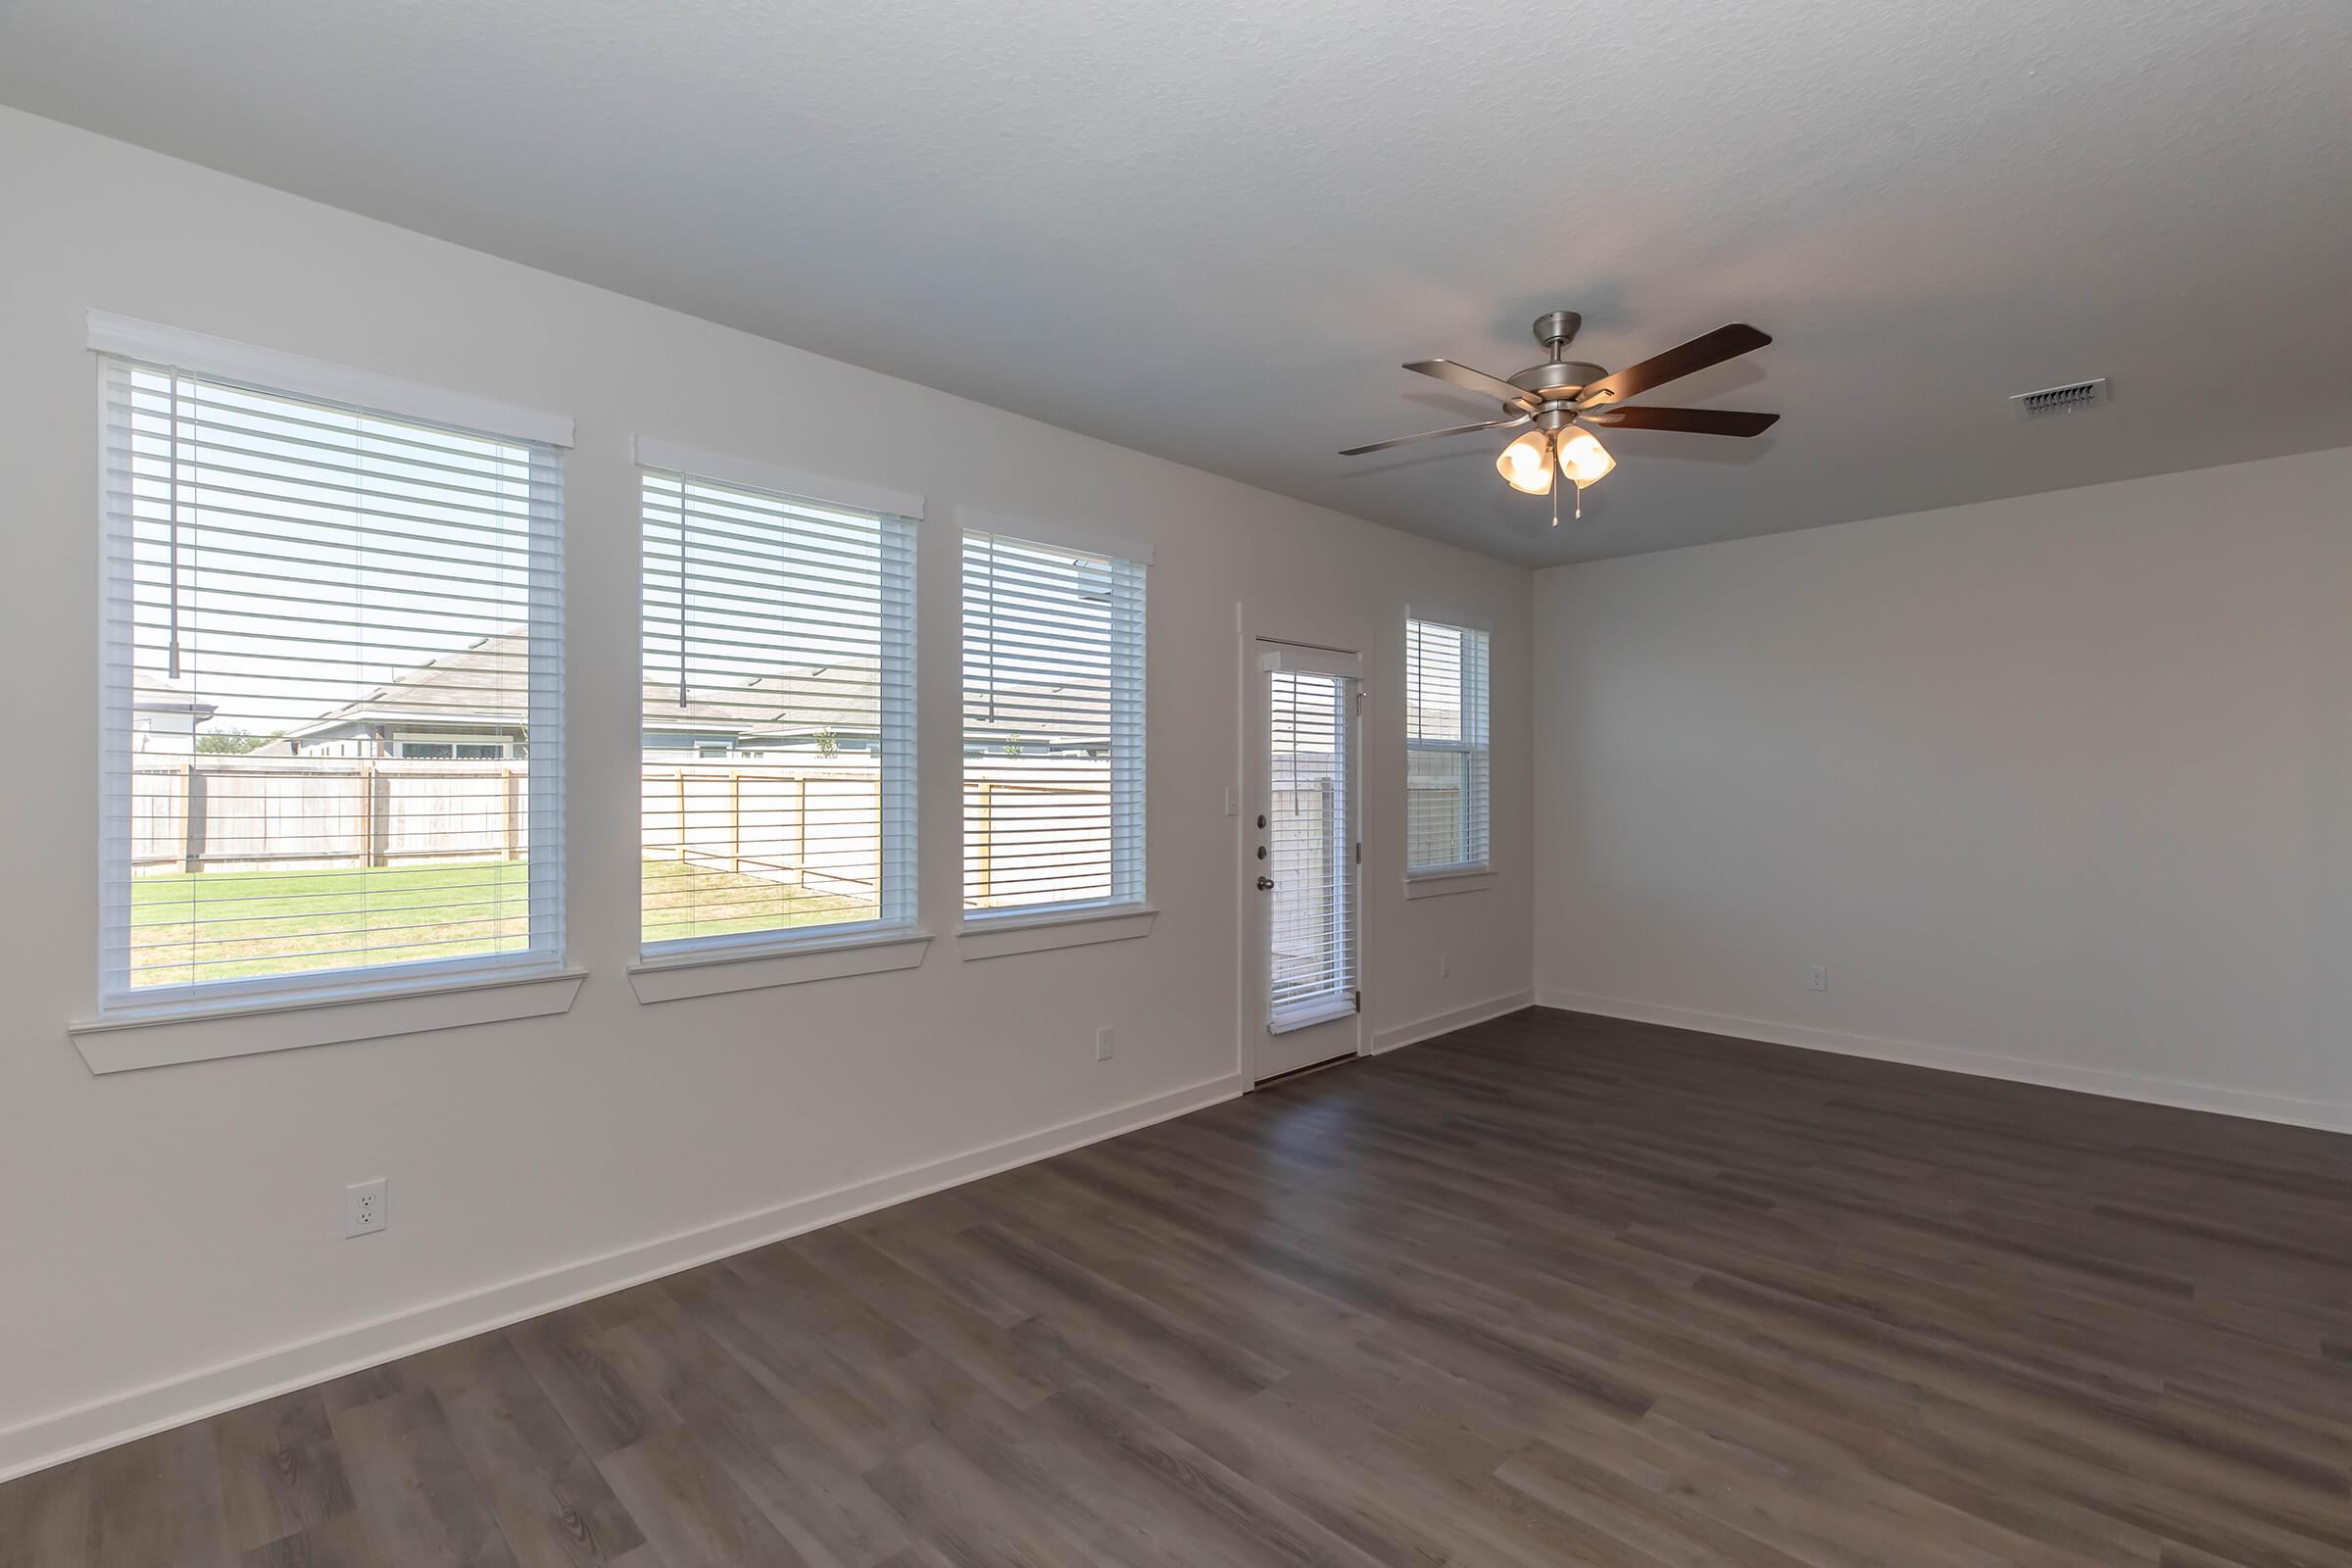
[63, 1434]
[2325, 1115]
[1407, 1034]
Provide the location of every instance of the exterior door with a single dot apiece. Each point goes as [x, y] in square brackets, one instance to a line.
[1305, 837]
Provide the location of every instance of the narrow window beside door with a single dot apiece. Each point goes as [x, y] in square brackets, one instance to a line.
[1446, 748]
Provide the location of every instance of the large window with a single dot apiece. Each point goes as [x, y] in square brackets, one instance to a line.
[1444, 747]
[333, 695]
[1053, 726]
[778, 716]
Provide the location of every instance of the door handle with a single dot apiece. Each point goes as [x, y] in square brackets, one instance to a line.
[1265, 884]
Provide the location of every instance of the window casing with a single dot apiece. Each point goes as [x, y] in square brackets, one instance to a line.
[1446, 746]
[778, 737]
[1053, 660]
[289, 579]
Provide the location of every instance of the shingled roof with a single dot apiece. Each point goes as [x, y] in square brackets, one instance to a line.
[485, 684]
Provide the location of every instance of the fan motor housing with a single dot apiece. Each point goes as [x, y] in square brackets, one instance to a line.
[1561, 379]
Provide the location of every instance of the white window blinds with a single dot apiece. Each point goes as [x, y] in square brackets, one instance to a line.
[1446, 747]
[1311, 851]
[778, 731]
[1053, 726]
[334, 694]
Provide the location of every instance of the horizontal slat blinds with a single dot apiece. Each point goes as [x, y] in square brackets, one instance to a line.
[334, 694]
[778, 773]
[1311, 858]
[1053, 726]
[1446, 747]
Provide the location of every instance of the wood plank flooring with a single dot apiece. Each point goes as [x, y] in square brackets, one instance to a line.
[1554, 1290]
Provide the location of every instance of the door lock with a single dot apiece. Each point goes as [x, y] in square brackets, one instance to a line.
[1265, 884]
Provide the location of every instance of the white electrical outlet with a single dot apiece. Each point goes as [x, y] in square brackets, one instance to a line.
[363, 1207]
[1817, 978]
[1103, 1043]
[1444, 966]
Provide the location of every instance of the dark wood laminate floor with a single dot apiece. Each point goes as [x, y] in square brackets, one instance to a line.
[1553, 1290]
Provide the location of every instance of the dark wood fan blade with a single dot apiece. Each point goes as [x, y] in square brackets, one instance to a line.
[1459, 429]
[1470, 380]
[1723, 343]
[1698, 421]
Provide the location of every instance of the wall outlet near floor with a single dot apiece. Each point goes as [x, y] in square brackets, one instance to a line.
[1104, 1044]
[1817, 978]
[1444, 966]
[363, 1207]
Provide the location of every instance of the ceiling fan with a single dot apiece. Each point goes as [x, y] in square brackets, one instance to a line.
[1562, 396]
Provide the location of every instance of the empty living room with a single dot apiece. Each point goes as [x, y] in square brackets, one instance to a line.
[1066, 786]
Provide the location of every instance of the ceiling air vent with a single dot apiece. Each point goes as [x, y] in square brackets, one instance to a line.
[2061, 398]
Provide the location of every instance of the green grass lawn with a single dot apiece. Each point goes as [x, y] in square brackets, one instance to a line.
[225, 925]
[695, 901]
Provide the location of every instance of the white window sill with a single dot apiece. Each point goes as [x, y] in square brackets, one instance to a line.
[712, 972]
[208, 1033]
[1438, 884]
[1000, 936]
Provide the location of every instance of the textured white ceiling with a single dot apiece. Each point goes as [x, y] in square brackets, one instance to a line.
[1214, 231]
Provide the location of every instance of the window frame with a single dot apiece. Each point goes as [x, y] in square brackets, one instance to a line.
[1126, 911]
[1477, 723]
[146, 1027]
[672, 968]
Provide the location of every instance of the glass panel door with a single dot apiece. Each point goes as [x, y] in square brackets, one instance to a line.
[1310, 837]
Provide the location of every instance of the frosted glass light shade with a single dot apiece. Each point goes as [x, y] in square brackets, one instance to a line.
[1526, 463]
[1583, 458]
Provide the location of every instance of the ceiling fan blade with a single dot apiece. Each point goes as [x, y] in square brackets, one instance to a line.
[1470, 380]
[1723, 343]
[1459, 429]
[1698, 421]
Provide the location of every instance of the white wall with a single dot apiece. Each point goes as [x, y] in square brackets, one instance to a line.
[156, 1223]
[2058, 788]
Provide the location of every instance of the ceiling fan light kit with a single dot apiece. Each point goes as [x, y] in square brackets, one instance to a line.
[1560, 397]
[1583, 458]
[1526, 463]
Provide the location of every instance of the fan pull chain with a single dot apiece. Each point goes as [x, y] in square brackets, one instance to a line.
[1555, 452]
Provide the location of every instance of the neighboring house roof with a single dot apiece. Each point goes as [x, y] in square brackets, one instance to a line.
[484, 685]
[163, 695]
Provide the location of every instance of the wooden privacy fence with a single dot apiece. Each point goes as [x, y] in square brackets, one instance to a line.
[1300, 913]
[813, 822]
[215, 814]
[1035, 831]
[1036, 826]
[1433, 823]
